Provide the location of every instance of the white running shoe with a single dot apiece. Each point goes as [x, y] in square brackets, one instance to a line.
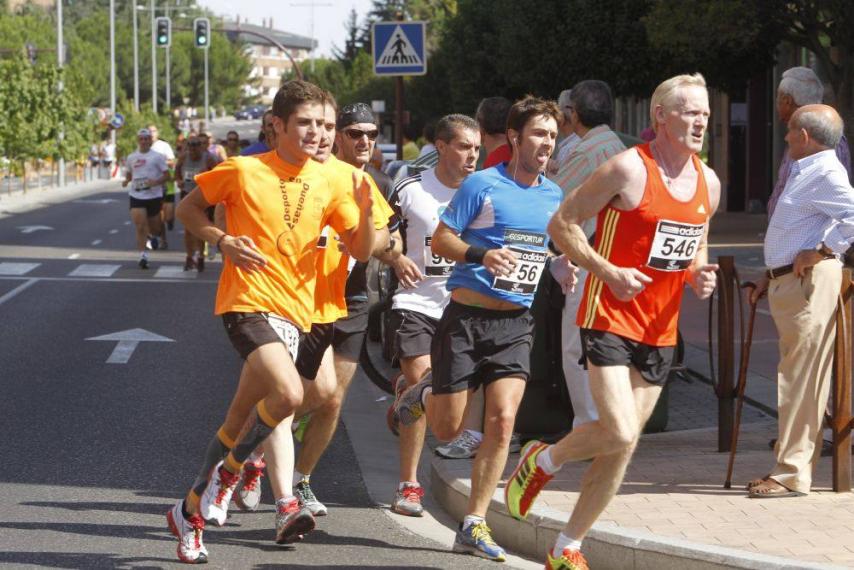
[464, 446]
[217, 495]
[191, 549]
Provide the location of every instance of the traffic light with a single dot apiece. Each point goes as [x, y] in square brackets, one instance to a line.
[164, 32]
[202, 32]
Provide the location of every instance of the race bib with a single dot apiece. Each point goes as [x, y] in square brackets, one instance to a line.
[435, 265]
[286, 331]
[190, 179]
[141, 184]
[674, 245]
[530, 264]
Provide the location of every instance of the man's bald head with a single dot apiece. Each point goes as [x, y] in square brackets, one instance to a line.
[821, 122]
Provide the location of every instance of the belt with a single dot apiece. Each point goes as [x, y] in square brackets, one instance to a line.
[786, 269]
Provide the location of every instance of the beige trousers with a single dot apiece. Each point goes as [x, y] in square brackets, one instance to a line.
[803, 310]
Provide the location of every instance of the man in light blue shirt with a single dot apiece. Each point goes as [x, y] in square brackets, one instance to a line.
[810, 229]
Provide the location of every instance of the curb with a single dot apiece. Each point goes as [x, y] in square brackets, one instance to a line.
[607, 545]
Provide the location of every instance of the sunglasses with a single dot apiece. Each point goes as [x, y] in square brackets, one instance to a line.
[356, 134]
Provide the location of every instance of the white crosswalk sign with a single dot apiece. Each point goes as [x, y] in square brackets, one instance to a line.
[399, 48]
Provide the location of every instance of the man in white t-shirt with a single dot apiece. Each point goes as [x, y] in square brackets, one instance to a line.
[146, 171]
[419, 201]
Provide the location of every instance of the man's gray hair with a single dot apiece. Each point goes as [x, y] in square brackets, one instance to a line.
[449, 125]
[825, 132]
[563, 98]
[803, 85]
[592, 102]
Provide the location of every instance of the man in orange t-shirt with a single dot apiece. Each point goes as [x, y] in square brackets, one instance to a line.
[314, 361]
[276, 205]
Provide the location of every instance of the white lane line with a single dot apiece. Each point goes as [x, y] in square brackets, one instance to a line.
[96, 242]
[114, 231]
[94, 270]
[7, 268]
[74, 256]
[111, 279]
[174, 272]
[127, 223]
[25, 285]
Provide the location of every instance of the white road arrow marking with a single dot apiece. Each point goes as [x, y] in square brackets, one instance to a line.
[31, 229]
[127, 342]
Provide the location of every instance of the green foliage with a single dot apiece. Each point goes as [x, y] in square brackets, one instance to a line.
[126, 136]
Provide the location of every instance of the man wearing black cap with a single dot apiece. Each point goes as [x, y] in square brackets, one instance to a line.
[355, 137]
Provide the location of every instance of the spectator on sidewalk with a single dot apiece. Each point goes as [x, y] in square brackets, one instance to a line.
[800, 86]
[410, 148]
[566, 130]
[811, 227]
[590, 109]
[492, 117]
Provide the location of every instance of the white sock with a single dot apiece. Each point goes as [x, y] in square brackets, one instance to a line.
[544, 462]
[300, 477]
[143, 255]
[407, 483]
[470, 520]
[563, 542]
[476, 435]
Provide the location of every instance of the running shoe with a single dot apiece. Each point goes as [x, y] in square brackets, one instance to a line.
[407, 401]
[292, 522]
[248, 495]
[308, 499]
[407, 501]
[217, 495]
[153, 242]
[569, 560]
[526, 482]
[200, 264]
[464, 446]
[477, 539]
[143, 263]
[191, 549]
[189, 263]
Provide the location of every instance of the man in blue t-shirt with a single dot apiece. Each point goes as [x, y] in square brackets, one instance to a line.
[495, 230]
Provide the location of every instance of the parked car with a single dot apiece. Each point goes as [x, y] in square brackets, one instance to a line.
[249, 113]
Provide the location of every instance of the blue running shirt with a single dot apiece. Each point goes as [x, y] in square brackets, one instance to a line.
[492, 210]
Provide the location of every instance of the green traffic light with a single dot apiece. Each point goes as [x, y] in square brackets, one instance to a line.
[203, 40]
[162, 39]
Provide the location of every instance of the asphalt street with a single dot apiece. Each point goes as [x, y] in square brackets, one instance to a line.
[100, 436]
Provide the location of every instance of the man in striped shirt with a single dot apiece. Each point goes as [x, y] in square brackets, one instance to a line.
[810, 229]
[589, 110]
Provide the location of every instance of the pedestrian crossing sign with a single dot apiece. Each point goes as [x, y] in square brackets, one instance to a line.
[399, 48]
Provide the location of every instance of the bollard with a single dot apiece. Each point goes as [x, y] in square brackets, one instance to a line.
[841, 414]
[726, 351]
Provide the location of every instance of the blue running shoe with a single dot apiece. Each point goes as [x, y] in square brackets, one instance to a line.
[477, 539]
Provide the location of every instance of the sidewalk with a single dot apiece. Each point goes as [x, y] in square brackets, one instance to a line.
[19, 201]
[672, 510]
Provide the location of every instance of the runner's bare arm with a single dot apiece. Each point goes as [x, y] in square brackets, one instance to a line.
[392, 250]
[702, 275]
[446, 243]
[241, 250]
[179, 173]
[381, 241]
[607, 183]
[360, 240]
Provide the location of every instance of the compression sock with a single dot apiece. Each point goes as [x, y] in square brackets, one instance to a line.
[218, 448]
[263, 425]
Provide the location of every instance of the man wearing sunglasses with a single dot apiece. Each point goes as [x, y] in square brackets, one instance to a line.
[195, 161]
[232, 144]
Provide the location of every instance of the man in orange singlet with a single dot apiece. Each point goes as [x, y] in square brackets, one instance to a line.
[653, 204]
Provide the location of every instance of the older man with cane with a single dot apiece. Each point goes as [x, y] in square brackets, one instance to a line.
[811, 227]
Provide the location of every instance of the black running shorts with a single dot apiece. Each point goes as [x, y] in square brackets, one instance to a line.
[350, 332]
[474, 347]
[152, 206]
[413, 333]
[248, 331]
[608, 349]
[312, 348]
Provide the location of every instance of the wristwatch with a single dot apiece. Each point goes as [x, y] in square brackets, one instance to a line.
[391, 243]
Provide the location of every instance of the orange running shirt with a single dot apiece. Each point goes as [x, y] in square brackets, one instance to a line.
[660, 238]
[283, 208]
[333, 266]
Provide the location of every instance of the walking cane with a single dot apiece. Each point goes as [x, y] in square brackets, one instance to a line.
[742, 384]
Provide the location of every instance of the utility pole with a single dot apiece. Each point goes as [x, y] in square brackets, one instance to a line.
[153, 60]
[135, 59]
[311, 4]
[113, 66]
[60, 57]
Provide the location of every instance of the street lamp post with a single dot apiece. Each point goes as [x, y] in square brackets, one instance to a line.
[135, 59]
[113, 66]
[59, 61]
[153, 60]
